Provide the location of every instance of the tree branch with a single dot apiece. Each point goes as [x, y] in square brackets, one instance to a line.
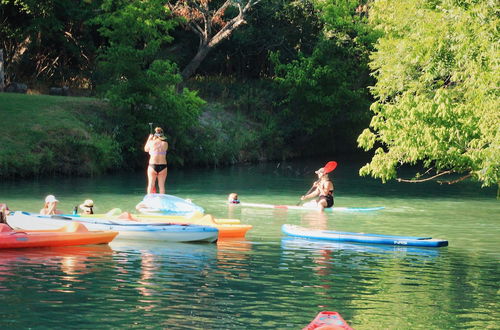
[457, 180]
[196, 29]
[206, 23]
[435, 176]
[222, 9]
[424, 180]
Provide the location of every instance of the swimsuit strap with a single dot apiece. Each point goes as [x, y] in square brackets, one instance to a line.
[154, 153]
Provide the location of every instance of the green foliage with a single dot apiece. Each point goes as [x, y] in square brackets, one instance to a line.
[437, 96]
[136, 78]
[47, 40]
[326, 96]
[135, 31]
[238, 123]
[55, 135]
[222, 138]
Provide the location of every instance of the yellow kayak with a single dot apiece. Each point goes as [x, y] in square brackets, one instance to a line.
[226, 227]
[117, 213]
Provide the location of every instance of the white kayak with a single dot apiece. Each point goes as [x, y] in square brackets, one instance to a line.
[157, 204]
[312, 207]
[127, 229]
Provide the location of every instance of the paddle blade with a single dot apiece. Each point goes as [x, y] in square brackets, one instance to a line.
[330, 166]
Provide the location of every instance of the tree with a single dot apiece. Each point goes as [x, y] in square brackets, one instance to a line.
[275, 25]
[2, 83]
[327, 100]
[47, 40]
[437, 97]
[135, 77]
[210, 23]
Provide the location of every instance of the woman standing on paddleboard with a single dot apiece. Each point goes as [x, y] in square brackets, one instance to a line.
[157, 147]
[324, 188]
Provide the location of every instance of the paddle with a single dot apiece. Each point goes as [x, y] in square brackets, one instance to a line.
[308, 192]
[329, 167]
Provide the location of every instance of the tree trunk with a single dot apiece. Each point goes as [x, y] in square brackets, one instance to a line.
[195, 63]
[206, 47]
[2, 75]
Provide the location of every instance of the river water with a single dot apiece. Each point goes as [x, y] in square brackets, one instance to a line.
[267, 280]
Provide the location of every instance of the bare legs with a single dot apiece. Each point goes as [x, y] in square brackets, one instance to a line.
[151, 179]
[322, 204]
[162, 177]
[153, 176]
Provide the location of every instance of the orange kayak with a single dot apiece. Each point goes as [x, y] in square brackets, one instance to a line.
[71, 234]
[227, 227]
[226, 230]
[328, 321]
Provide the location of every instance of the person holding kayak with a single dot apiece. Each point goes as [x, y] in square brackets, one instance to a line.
[322, 188]
[50, 206]
[157, 147]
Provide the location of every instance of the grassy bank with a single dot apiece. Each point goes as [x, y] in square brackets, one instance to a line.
[44, 134]
[52, 135]
[81, 136]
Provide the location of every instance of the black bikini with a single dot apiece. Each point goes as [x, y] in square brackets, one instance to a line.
[328, 198]
[158, 167]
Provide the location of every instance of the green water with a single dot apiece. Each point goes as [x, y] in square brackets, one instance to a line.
[266, 281]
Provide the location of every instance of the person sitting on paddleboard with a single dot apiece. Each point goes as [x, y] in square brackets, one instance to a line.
[323, 188]
[157, 147]
[50, 206]
[87, 207]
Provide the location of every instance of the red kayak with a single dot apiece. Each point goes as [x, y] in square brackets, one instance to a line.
[328, 321]
[72, 234]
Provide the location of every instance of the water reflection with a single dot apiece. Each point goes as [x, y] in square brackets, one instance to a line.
[319, 247]
[148, 268]
[233, 211]
[233, 249]
[71, 260]
[264, 281]
[315, 220]
[232, 258]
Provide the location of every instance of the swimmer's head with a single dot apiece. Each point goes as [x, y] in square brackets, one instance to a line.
[233, 198]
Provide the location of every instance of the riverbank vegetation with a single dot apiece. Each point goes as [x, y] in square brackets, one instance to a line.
[261, 80]
[437, 101]
[44, 134]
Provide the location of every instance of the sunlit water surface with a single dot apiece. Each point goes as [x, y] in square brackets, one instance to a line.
[266, 281]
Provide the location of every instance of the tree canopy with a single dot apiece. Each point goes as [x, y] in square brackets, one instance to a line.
[437, 97]
[431, 67]
[210, 21]
[326, 94]
[135, 76]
